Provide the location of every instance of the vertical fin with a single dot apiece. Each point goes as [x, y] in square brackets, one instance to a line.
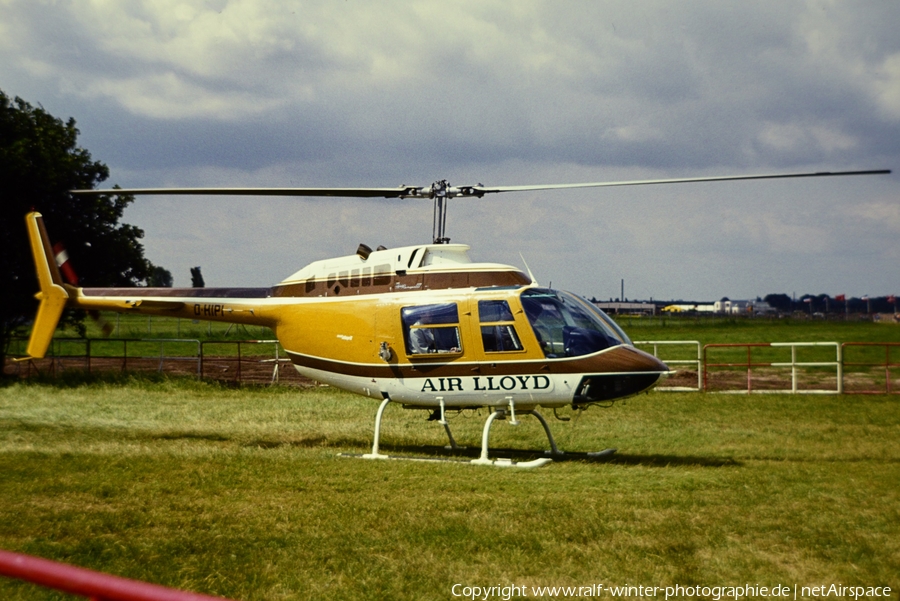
[53, 295]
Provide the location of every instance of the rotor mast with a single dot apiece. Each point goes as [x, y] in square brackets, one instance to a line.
[439, 217]
[441, 192]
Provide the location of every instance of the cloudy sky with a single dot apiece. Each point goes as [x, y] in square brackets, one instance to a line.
[350, 93]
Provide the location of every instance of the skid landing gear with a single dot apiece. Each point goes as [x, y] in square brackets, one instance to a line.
[376, 454]
[499, 413]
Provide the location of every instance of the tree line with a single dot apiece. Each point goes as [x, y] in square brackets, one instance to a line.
[823, 303]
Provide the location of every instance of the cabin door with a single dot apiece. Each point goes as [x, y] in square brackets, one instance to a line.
[388, 332]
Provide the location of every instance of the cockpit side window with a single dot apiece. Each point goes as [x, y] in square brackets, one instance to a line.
[566, 326]
[429, 329]
[607, 320]
[498, 333]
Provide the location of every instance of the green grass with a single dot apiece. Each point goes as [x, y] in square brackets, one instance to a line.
[720, 329]
[241, 493]
[125, 325]
[145, 334]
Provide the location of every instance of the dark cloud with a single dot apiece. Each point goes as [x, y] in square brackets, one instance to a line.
[258, 92]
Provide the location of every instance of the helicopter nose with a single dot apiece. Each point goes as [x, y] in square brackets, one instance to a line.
[627, 359]
[647, 362]
[626, 371]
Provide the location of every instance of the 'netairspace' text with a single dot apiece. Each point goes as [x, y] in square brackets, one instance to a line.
[716, 593]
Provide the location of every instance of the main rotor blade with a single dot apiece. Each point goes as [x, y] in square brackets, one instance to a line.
[337, 192]
[477, 190]
[444, 190]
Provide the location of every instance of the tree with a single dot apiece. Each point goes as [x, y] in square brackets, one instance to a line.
[781, 302]
[160, 277]
[40, 162]
[197, 278]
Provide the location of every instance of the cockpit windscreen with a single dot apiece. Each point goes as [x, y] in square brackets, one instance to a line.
[568, 326]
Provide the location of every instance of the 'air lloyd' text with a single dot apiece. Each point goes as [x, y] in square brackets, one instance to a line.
[486, 384]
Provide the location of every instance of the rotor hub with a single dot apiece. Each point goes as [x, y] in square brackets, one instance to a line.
[440, 192]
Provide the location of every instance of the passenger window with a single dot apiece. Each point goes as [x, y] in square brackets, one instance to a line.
[496, 336]
[431, 329]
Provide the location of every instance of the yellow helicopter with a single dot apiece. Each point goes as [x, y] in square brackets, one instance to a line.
[422, 326]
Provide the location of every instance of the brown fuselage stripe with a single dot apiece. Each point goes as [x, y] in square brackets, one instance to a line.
[618, 360]
[345, 285]
[180, 292]
[339, 287]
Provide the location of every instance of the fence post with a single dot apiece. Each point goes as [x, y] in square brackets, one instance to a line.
[794, 366]
[705, 370]
[887, 369]
[749, 369]
[276, 373]
[840, 369]
[239, 363]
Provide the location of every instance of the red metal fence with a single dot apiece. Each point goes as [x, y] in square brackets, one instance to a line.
[237, 361]
[765, 367]
[96, 586]
[680, 354]
[863, 359]
[792, 367]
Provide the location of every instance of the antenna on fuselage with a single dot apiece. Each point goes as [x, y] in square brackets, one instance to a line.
[531, 275]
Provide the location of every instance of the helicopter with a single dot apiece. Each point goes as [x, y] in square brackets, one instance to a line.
[422, 326]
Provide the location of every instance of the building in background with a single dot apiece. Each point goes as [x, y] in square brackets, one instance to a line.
[620, 308]
[742, 307]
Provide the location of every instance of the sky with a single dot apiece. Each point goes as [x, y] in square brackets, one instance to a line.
[334, 94]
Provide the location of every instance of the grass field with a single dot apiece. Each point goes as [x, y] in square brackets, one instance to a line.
[721, 329]
[241, 493]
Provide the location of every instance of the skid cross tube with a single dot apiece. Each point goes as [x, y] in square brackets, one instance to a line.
[483, 459]
[375, 454]
[443, 422]
[501, 414]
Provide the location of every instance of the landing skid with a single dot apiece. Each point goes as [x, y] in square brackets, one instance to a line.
[498, 413]
[496, 462]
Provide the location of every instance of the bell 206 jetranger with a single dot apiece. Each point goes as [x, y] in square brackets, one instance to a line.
[422, 326]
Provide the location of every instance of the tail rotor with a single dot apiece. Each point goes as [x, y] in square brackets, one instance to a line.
[71, 278]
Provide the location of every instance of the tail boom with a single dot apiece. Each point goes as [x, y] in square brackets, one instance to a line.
[249, 306]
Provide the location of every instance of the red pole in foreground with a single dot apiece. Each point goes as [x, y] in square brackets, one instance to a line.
[88, 583]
